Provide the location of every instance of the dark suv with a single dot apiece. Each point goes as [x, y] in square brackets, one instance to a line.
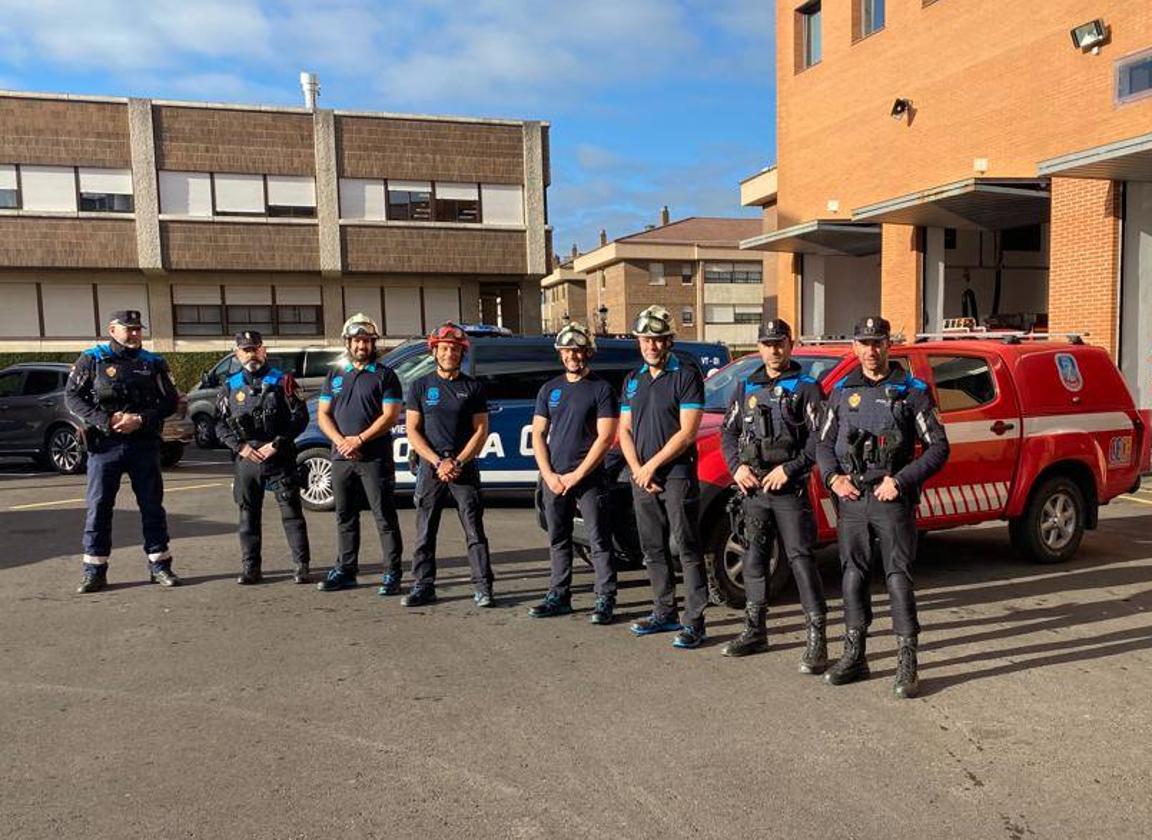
[34, 421]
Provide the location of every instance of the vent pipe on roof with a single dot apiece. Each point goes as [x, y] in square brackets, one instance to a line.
[603, 237]
[575, 251]
[665, 217]
[310, 84]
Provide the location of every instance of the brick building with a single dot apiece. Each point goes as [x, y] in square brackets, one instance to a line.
[945, 158]
[693, 266]
[563, 295]
[211, 218]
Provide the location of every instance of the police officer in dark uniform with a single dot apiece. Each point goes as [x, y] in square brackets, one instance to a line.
[572, 430]
[447, 424]
[660, 413]
[867, 458]
[259, 415]
[359, 404]
[122, 393]
[769, 443]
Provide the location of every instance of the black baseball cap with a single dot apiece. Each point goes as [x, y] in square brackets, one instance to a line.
[872, 328]
[126, 318]
[775, 329]
[249, 340]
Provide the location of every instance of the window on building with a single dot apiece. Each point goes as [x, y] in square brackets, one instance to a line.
[291, 196]
[250, 317]
[810, 34]
[49, 189]
[687, 316]
[1027, 238]
[299, 319]
[198, 319]
[503, 204]
[870, 17]
[9, 188]
[733, 273]
[458, 203]
[186, 193]
[685, 274]
[747, 315]
[962, 382]
[1134, 77]
[239, 195]
[105, 190]
[656, 274]
[949, 239]
[603, 280]
[410, 201]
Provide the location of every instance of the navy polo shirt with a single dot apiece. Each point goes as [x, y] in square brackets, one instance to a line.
[572, 409]
[357, 397]
[654, 405]
[447, 406]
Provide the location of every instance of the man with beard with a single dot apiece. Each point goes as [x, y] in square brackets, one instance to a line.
[447, 424]
[660, 413]
[122, 393]
[768, 439]
[867, 457]
[358, 406]
[259, 415]
[572, 430]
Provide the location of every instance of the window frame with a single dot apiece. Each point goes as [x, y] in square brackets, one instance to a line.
[864, 18]
[1127, 63]
[653, 274]
[809, 50]
[986, 362]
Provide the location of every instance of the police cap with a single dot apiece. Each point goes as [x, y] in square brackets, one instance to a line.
[249, 340]
[775, 329]
[872, 328]
[126, 318]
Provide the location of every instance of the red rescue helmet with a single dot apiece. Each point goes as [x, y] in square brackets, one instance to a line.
[448, 333]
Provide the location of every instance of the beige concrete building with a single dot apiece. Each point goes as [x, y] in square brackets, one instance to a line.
[563, 295]
[693, 266]
[213, 218]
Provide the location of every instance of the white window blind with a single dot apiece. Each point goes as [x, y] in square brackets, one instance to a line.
[458, 192]
[68, 311]
[112, 181]
[196, 294]
[114, 296]
[239, 193]
[298, 295]
[252, 295]
[7, 177]
[20, 314]
[502, 204]
[186, 194]
[49, 188]
[441, 305]
[410, 186]
[403, 308]
[361, 198]
[291, 191]
[365, 299]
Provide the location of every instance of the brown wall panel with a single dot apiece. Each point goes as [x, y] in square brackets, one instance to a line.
[37, 242]
[239, 247]
[208, 140]
[434, 250]
[62, 133]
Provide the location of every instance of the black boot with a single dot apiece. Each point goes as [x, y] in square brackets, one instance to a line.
[161, 572]
[249, 573]
[815, 658]
[852, 665]
[302, 574]
[754, 639]
[95, 578]
[907, 682]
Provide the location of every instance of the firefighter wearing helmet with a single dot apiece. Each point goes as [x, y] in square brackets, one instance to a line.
[573, 428]
[447, 424]
[358, 406]
[660, 412]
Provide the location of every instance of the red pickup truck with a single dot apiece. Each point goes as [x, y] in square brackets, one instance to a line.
[1042, 433]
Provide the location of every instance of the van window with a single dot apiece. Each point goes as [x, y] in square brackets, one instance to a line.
[41, 382]
[516, 372]
[317, 363]
[962, 382]
[287, 362]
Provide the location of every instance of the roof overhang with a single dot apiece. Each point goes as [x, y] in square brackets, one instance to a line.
[1124, 160]
[984, 203]
[820, 237]
[759, 190]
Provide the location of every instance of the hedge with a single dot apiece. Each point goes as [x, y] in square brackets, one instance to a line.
[186, 367]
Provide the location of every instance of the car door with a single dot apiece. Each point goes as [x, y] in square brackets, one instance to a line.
[513, 374]
[40, 402]
[11, 385]
[980, 411]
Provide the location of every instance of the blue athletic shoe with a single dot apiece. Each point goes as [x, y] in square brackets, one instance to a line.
[390, 585]
[336, 580]
[655, 624]
[689, 637]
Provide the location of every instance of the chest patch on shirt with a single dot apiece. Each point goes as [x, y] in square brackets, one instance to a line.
[854, 401]
[241, 396]
[554, 398]
[433, 396]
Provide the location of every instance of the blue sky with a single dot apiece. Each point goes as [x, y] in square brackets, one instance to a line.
[651, 102]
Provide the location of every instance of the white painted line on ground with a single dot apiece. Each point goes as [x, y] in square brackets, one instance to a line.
[167, 490]
[1137, 499]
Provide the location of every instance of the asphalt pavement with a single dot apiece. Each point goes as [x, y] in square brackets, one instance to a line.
[277, 711]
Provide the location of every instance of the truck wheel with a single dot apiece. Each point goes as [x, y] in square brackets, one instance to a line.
[170, 454]
[204, 426]
[315, 468]
[64, 451]
[1053, 522]
[724, 560]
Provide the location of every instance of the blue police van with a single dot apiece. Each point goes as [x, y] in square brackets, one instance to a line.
[513, 369]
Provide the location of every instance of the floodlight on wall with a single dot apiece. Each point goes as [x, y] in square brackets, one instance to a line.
[900, 108]
[1090, 36]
